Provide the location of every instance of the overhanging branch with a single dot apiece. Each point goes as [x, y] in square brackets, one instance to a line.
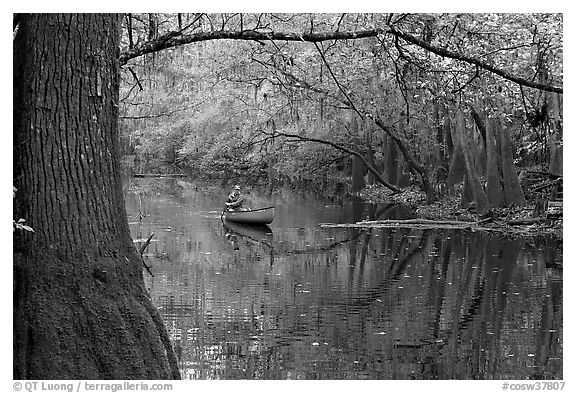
[470, 60]
[171, 40]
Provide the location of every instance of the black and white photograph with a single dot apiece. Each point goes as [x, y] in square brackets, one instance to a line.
[266, 196]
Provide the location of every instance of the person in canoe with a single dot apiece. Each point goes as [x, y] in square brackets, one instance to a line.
[235, 200]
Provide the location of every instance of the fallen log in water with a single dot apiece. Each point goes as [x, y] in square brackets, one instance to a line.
[168, 175]
[421, 221]
[412, 223]
[512, 227]
[527, 221]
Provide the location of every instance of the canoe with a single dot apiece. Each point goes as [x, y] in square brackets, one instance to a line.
[252, 217]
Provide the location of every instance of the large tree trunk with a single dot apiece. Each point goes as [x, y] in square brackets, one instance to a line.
[475, 188]
[555, 140]
[494, 186]
[513, 193]
[457, 170]
[390, 152]
[358, 182]
[81, 310]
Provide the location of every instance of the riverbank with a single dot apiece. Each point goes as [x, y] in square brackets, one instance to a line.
[520, 221]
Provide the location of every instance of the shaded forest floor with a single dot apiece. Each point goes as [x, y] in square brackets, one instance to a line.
[529, 220]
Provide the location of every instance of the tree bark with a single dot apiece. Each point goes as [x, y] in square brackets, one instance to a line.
[494, 187]
[457, 164]
[81, 310]
[512, 191]
[555, 140]
[390, 153]
[358, 182]
[479, 123]
[370, 157]
[471, 173]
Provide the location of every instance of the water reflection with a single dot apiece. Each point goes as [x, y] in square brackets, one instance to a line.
[301, 302]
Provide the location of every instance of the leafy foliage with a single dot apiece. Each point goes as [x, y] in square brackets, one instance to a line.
[218, 105]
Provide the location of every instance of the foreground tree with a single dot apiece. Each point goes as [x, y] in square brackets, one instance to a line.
[81, 310]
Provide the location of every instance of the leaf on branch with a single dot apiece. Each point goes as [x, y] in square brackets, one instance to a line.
[20, 226]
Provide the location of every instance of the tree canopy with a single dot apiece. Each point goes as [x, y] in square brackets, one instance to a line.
[222, 88]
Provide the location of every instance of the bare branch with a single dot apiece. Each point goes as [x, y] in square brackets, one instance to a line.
[461, 88]
[337, 83]
[346, 150]
[136, 78]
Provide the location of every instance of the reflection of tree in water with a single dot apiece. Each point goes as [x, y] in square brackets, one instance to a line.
[360, 210]
[468, 283]
[449, 294]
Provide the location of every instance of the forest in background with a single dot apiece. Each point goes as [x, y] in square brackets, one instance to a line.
[441, 102]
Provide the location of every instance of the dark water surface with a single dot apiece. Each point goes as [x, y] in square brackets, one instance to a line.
[305, 302]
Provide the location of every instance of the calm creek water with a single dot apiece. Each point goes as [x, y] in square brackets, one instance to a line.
[305, 302]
